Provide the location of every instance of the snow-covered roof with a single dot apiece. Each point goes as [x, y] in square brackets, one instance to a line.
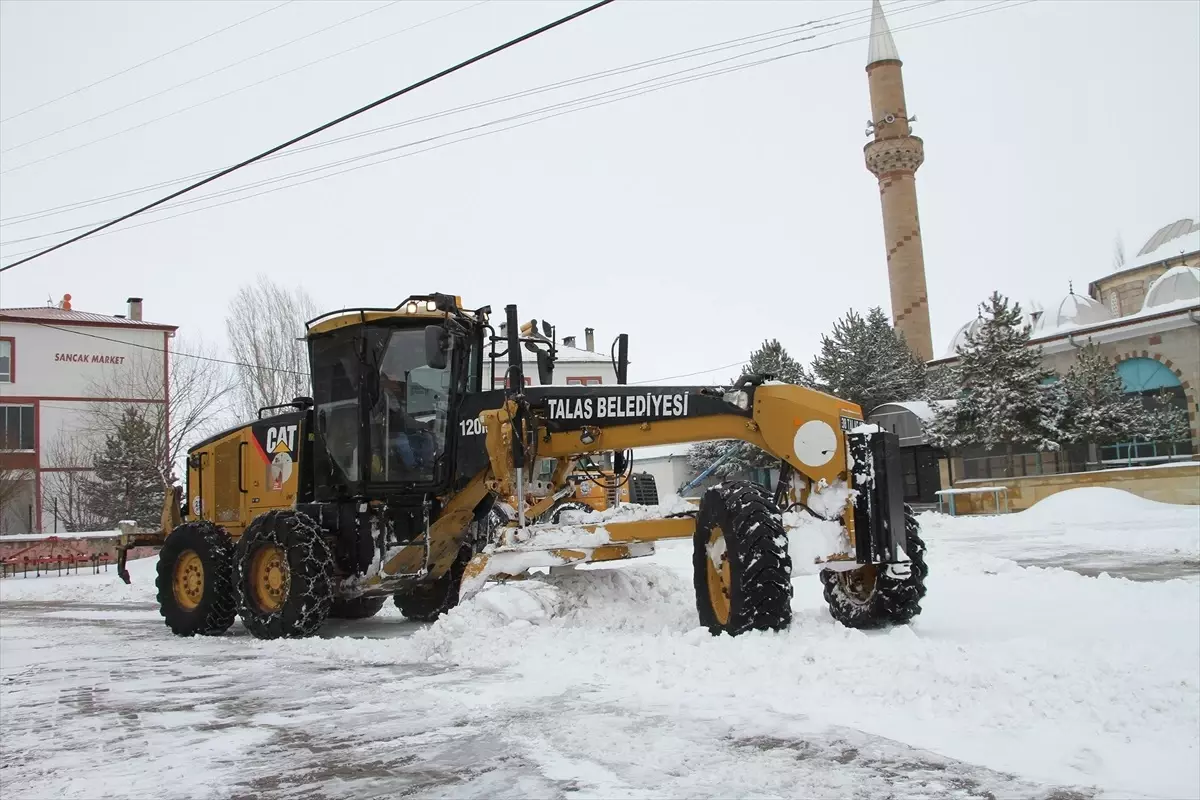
[960, 336]
[1072, 311]
[1181, 237]
[1176, 285]
[882, 46]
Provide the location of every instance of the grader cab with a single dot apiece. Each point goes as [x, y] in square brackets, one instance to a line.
[406, 475]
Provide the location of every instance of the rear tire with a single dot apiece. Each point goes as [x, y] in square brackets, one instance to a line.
[356, 608]
[556, 514]
[285, 576]
[740, 561]
[428, 601]
[196, 594]
[868, 598]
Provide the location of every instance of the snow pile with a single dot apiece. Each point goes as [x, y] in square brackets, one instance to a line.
[1086, 519]
[85, 587]
[629, 512]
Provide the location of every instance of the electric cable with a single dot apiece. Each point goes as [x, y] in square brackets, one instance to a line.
[611, 93]
[693, 52]
[937, 20]
[461, 65]
[239, 89]
[147, 61]
[158, 349]
[189, 81]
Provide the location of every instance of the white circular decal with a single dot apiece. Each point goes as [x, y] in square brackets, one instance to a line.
[815, 443]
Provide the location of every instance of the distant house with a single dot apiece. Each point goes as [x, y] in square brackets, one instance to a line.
[55, 362]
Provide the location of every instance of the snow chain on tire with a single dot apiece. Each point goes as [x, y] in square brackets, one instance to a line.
[868, 597]
[307, 597]
[740, 539]
[217, 605]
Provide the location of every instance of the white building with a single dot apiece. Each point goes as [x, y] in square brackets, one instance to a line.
[668, 463]
[55, 364]
[573, 366]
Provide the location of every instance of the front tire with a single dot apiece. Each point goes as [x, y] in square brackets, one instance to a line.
[740, 562]
[356, 608]
[428, 601]
[869, 598]
[285, 576]
[196, 594]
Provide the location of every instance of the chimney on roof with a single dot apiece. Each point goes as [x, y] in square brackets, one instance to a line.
[135, 308]
[589, 336]
[568, 341]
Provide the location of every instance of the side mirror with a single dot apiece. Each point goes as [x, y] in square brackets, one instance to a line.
[545, 368]
[437, 345]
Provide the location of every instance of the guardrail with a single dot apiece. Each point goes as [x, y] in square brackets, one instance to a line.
[44, 565]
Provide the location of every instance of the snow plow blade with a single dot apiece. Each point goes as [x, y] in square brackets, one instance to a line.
[879, 525]
[521, 549]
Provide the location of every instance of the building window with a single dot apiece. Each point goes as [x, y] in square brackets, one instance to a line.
[585, 380]
[7, 371]
[16, 428]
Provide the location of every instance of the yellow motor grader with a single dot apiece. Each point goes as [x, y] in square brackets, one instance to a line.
[394, 480]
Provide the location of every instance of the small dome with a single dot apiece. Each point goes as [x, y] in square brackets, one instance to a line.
[960, 337]
[1176, 285]
[1073, 310]
[1031, 313]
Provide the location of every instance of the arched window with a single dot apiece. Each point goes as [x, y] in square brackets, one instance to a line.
[1146, 375]
[1152, 381]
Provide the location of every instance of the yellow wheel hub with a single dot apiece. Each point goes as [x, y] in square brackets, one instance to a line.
[270, 578]
[720, 575]
[188, 582]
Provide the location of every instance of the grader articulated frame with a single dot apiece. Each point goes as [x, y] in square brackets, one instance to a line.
[335, 518]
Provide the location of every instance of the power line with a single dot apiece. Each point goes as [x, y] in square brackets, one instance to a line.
[162, 349]
[693, 52]
[618, 96]
[563, 104]
[239, 89]
[690, 374]
[461, 65]
[186, 83]
[147, 61]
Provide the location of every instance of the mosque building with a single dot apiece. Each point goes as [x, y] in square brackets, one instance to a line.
[1145, 317]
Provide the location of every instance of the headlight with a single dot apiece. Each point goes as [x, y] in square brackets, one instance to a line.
[412, 308]
[430, 305]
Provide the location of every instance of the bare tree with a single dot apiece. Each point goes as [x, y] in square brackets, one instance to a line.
[69, 458]
[265, 326]
[200, 391]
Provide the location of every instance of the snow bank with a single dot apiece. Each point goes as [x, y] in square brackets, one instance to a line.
[1096, 504]
[1087, 519]
[86, 587]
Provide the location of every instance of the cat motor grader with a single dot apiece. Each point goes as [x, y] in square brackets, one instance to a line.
[388, 482]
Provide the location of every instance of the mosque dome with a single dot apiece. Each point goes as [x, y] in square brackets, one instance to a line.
[1176, 285]
[1072, 311]
[960, 337]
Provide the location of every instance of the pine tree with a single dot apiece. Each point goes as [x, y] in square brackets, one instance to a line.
[1097, 411]
[1162, 420]
[127, 483]
[868, 362]
[1002, 400]
[772, 360]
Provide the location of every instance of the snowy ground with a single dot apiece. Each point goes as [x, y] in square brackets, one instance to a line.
[1015, 682]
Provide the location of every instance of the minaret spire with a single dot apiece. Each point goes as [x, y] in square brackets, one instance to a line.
[883, 46]
[893, 156]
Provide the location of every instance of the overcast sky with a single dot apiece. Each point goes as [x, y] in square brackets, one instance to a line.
[701, 219]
